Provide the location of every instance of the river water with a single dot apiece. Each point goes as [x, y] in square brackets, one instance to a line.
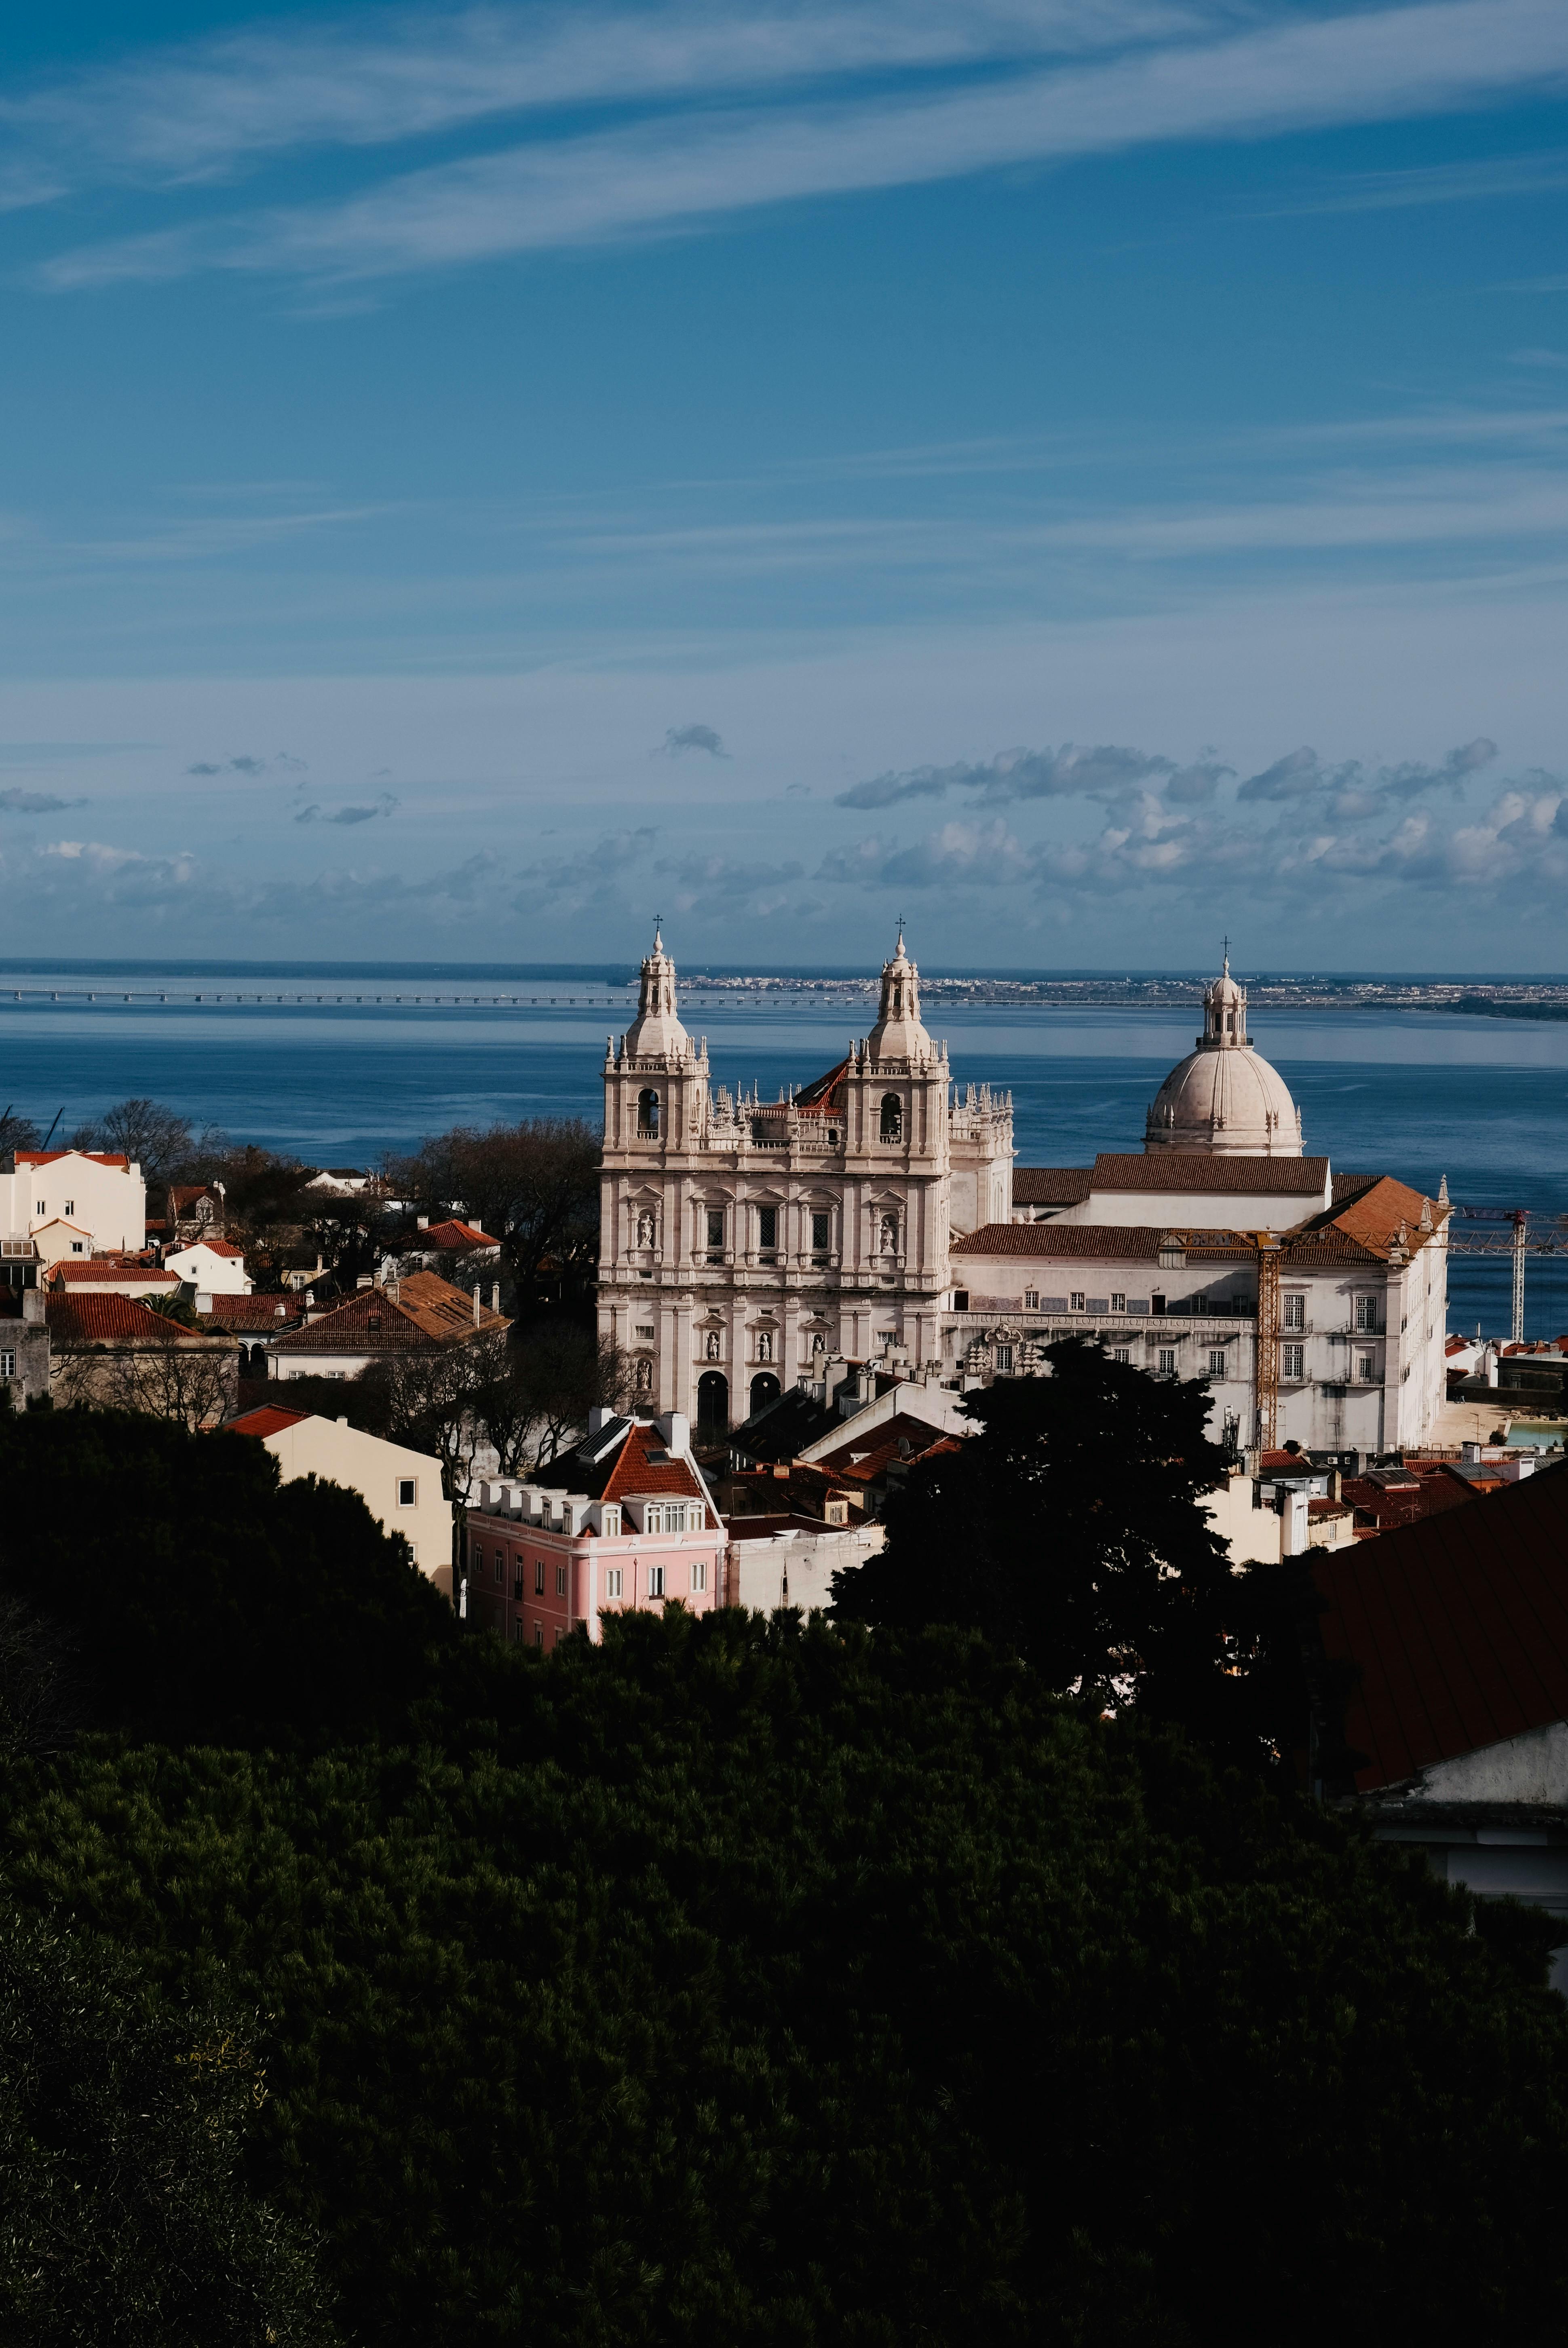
[342, 1080]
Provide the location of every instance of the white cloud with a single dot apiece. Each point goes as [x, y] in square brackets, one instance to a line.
[686, 169]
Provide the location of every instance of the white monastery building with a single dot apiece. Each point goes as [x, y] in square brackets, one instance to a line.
[746, 1245]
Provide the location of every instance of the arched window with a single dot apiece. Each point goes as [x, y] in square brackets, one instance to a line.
[892, 1117]
[648, 1114]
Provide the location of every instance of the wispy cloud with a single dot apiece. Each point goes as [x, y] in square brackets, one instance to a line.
[248, 765]
[687, 169]
[20, 802]
[1433, 183]
[385, 804]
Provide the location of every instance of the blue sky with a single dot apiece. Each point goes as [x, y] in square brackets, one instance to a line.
[1086, 475]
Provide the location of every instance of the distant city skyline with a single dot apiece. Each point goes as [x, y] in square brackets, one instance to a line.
[1089, 476]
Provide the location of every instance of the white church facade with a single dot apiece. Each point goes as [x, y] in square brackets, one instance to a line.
[875, 1215]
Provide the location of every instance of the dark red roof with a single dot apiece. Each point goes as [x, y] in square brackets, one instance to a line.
[1195, 1169]
[94, 1156]
[99, 1320]
[636, 1473]
[1050, 1186]
[1458, 1625]
[256, 1312]
[455, 1236]
[823, 1098]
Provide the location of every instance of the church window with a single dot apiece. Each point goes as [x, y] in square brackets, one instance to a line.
[1367, 1313]
[1117, 1304]
[715, 1230]
[768, 1227]
[1004, 1357]
[1031, 1300]
[892, 1117]
[1367, 1369]
[820, 1228]
[1292, 1364]
[1293, 1315]
[1075, 1303]
[887, 1336]
[1167, 1361]
[645, 1329]
[648, 1115]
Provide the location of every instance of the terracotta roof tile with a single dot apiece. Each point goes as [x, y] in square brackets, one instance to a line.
[454, 1236]
[1050, 1186]
[1458, 1625]
[636, 1473]
[427, 1311]
[271, 1420]
[1195, 1170]
[256, 1312]
[93, 1156]
[99, 1319]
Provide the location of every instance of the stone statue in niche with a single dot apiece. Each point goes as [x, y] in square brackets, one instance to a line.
[713, 1346]
[646, 1229]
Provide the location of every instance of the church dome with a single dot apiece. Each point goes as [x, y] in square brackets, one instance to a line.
[1223, 1100]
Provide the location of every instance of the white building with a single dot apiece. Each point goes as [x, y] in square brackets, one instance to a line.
[213, 1267]
[401, 1488]
[73, 1202]
[873, 1212]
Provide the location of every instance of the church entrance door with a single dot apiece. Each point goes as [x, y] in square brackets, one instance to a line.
[712, 1404]
[764, 1389]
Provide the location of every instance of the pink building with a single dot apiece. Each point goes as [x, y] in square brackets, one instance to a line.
[630, 1522]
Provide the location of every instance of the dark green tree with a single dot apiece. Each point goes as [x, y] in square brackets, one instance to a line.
[1069, 1528]
[535, 1188]
[205, 1600]
[124, 2212]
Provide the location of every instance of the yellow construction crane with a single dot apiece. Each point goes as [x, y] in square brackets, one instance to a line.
[1266, 1350]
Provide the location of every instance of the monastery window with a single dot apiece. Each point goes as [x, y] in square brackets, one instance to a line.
[645, 1329]
[821, 1231]
[961, 1300]
[1075, 1303]
[767, 1228]
[1121, 1352]
[1031, 1300]
[1293, 1312]
[648, 1115]
[656, 1581]
[892, 1117]
[561, 1582]
[1366, 1369]
[1117, 1304]
[887, 1336]
[714, 1232]
[1003, 1360]
[699, 1573]
[7, 1365]
[1292, 1363]
[1167, 1361]
[1367, 1313]
[1217, 1364]
[612, 1577]
[539, 1577]
[1156, 1304]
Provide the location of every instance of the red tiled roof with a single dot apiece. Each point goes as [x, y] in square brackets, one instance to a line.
[94, 1156]
[455, 1235]
[427, 1311]
[1098, 1242]
[99, 1320]
[1193, 1169]
[1379, 1508]
[271, 1420]
[256, 1312]
[213, 1247]
[635, 1474]
[822, 1097]
[1460, 1626]
[1050, 1186]
[102, 1272]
